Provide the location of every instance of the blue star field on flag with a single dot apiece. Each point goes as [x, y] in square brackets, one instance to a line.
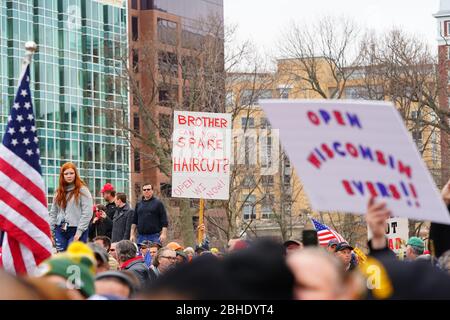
[21, 133]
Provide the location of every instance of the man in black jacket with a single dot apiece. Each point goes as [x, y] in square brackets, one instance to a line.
[123, 218]
[150, 218]
[109, 195]
[126, 254]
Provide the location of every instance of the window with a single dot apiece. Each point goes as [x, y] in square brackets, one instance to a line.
[249, 181]
[134, 28]
[265, 124]
[134, 4]
[250, 151]
[266, 152]
[248, 209]
[266, 206]
[267, 181]
[284, 93]
[247, 122]
[135, 54]
[167, 31]
[146, 4]
[287, 180]
[137, 160]
[229, 99]
[136, 123]
[247, 97]
[417, 136]
[168, 63]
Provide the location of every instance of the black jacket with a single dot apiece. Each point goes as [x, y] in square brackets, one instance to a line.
[439, 238]
[150, 216]
[122, 221]
[102, 227]
[140, 270]
[412, 279]
[110, 209]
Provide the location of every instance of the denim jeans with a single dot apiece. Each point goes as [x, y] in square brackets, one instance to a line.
[64, 238]
[154, 237]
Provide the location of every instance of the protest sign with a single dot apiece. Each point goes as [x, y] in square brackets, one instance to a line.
[347, 151]
[397, 233]
[201, 155]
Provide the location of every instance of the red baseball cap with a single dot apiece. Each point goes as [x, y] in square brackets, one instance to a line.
[107, 187]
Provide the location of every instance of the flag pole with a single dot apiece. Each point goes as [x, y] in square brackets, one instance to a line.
[30, 49]
[200, 222]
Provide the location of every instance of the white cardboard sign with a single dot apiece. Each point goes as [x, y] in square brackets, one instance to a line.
[201, 155]
[397, 233]
[347, 151]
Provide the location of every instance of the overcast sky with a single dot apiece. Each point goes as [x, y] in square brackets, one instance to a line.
[262, 20]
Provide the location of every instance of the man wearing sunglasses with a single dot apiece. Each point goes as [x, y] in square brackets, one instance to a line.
[150, 219]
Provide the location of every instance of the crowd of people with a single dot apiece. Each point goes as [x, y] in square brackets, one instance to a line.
[113, 252]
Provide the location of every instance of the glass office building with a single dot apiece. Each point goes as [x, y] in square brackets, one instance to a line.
[80, 100]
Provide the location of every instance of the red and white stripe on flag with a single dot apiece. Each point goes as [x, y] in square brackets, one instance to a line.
[325, 236]
[23, 215]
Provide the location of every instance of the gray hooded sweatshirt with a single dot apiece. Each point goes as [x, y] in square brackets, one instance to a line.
[76, 214]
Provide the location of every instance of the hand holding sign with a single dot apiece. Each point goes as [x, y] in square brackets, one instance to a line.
[376, 217]
[446, 193]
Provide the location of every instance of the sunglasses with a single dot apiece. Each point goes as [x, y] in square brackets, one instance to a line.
[147, 189]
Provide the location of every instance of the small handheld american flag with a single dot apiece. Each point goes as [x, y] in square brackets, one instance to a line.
[325, 234]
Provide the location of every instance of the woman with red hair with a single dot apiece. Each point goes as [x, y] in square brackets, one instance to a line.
[71, 210]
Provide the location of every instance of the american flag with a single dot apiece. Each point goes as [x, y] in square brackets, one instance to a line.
[23, 204]
[325, 234]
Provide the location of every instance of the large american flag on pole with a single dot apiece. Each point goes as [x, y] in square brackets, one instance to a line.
[23, 204]
[325, 234]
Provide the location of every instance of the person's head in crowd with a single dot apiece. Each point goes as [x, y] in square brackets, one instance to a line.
[318, 276]
[239, 245]
[73, 270]
[199, 249]
[414, 248]
[108, 192]
[103, 241]
[113, 250]
[147, 191]
[189, 252]
[331, 247]
[174, 246]
[165, 259]
[144, 247]
[101, 256]
[28, 288]
[119, 284]
[344, 252]
[216, 252]
[292, 245]
[68, 176]
[444, 261]
[125, 250]
[153, 248]
[231, 243]
[259, 272]
[120, 200]
[198, 280]
[181, 257]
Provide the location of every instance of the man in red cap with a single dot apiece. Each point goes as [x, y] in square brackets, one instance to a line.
[109, 194]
